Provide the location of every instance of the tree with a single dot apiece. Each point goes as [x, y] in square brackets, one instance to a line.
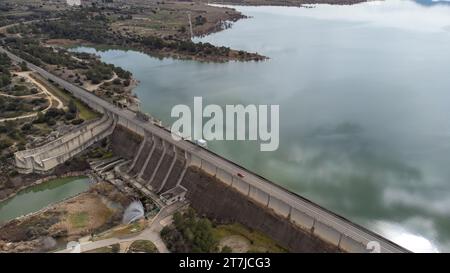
[5, 80]
[23, 66]
[50, 122]
[200, 20]
[40, 118]
[72, 107]
[70, 116]
[27, 127]
[226, 249]
[54, 113]
[190, 233]
[77, 121]
[115, 248]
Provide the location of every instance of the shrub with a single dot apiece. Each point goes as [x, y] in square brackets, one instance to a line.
[77, 121]
[70, 116]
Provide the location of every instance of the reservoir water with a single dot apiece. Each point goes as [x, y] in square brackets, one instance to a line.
[39, 196]
[364, 95]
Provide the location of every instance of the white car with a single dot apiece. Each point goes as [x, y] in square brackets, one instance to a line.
[201, 142]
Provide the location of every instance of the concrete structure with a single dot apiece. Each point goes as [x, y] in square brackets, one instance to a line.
[173, 195]
[45, 158]
[156, 175]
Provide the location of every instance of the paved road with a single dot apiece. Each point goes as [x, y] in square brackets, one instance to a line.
[321, 214]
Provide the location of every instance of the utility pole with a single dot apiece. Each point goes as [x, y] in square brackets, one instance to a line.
[190, 25]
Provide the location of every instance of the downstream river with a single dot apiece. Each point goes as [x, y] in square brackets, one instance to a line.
[364, 95]
[40, 196]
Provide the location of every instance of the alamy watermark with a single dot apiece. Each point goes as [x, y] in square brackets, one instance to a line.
[235, 122]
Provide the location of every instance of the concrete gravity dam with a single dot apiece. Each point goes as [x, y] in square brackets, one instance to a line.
[163, 167]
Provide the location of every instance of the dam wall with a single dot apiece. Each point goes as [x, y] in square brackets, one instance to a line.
[125, 143]
[296, 211]
[50, 155]
[226, 197]
[219, 195]
[265, 200]
[225, 204]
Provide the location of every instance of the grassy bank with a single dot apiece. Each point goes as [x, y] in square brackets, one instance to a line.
[236, 235]
[142, 246]
[85, 112]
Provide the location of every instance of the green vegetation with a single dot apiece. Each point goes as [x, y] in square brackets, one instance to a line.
[115, 248]
[79, 219]
[23, 66]
[53, 115]
[5, 75]
[100, 72]
[258, 242]
[12, 107]
[20, 28]
[30, 50]
[95, 70]
[73, 30]
[142, 246]
[13, 137]
[95, 27]
[200, 20]
[50, 117]
[78, 68]
[122, 231]
[81, 25]
[83, 111]
[15, 132]
[13, 12]
[190, 233]
[186, 47]
[100, 153]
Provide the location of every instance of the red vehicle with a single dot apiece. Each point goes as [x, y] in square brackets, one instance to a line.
[240, 175]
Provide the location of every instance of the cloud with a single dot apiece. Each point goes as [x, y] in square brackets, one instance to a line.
[407, 15]
[435, 205]
[405, 238]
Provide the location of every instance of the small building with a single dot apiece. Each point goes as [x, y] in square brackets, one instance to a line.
[173, 195]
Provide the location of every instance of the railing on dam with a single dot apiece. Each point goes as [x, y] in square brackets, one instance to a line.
[302, 212]
[48, 156]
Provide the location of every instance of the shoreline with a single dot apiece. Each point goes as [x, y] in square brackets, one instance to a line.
[47, 179]
[43, 209]
[165, 53]
[287, 3]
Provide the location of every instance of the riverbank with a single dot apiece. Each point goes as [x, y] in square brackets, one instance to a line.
[17, 182]
[94, 211]
[163, 30]
[46, 179]
[39, 196]
[176, 49]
